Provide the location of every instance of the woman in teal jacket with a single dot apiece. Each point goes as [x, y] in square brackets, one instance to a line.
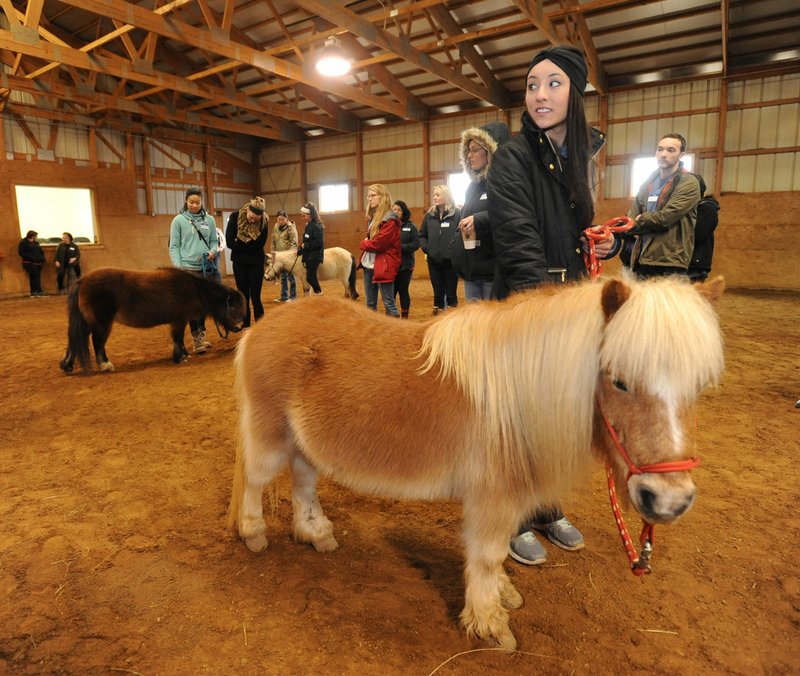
[193, 246]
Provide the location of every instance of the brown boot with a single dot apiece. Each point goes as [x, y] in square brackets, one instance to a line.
[404, 313]
[436, 311]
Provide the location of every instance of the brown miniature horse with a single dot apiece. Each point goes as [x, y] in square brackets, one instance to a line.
[143, 299]
[509, 400]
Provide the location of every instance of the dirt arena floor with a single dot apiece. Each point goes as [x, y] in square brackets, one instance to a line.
[114, 556]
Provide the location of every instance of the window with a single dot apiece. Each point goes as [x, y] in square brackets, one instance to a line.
[644, 166]
[73, 206]
[458, 184]
[334, 197]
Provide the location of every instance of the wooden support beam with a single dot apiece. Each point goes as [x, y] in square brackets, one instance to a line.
[401, 46]
[722, 124]
[110, 146]
[148, 178]
[92, 147]
[209, 191]
[60, 92]
[470, 54]
[27, 131]
[55, 126]
[303, 174]
[208, 41]
[426, 165]
[123, 69]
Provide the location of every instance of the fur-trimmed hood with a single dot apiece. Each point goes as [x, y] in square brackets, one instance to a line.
[490, 136]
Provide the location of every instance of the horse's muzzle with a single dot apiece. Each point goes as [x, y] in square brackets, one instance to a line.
[660, 501]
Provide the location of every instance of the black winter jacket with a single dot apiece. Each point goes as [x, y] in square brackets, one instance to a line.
[436, 233]
[477, 264]
[245, 253]
[409, 243]
[533, 221]
[313, 243]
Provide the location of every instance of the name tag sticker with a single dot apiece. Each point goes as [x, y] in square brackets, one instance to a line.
[406, 229]
[652, 198]
[483, 197]
[445, 224]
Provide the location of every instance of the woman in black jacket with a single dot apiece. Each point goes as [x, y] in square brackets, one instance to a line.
[246, 235]
[540, 201]
[409, 243]
[312, 246]
[32, 255]
[67, 260]
[438, 226]
[471, 249]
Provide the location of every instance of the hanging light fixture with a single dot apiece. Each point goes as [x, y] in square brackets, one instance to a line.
[333, 60]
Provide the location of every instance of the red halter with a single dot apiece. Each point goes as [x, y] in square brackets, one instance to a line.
[597, 233]
[640, 564]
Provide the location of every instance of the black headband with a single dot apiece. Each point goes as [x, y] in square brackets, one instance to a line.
[568, 60]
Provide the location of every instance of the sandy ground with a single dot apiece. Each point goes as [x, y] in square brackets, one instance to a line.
[114, 556]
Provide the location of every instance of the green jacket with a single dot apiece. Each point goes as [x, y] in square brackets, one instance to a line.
[665, 237]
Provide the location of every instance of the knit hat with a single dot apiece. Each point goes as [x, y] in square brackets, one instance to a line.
[257, 205]
[568, 59]
[193, 191]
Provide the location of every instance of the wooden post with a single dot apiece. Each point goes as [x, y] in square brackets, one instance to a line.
[130, 157]
[93, 147]
[600, 192]
[359, 170]
[426, 166]
[303, 181]
[721, 129]
[209, 191]
[148, 179]
[255, 162]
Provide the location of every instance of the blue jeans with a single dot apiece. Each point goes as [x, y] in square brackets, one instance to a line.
[387, 294]
[288, 286]
[480, 290]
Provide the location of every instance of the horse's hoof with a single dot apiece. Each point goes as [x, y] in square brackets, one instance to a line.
[257, 543]
[107, 367]
[506, 641]
[510, 598]
[326, 544]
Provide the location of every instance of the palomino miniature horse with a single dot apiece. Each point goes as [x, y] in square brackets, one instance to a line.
[143, 299]
[337, 264]
[509, 408]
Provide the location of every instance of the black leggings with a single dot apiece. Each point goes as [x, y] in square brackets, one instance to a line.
[444, 281]
[311, 275]
[401, 284]
[249, 279]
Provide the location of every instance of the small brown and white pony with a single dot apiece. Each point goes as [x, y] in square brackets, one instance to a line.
[509, 398]
[338, 264]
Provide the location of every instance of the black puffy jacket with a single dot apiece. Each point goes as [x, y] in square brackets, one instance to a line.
[533, 221]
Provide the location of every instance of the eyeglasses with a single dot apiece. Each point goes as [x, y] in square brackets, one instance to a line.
[475, 150]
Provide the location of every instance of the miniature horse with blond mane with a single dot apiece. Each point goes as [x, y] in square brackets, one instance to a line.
[337, 264]
[511, 403]
[143, 299]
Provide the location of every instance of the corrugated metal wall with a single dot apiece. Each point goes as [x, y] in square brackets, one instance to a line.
[757, 150]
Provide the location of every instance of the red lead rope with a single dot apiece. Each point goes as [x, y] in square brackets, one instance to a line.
[640, 564]
[597, 233]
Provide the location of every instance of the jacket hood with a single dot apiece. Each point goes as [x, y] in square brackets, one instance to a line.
[490, 136]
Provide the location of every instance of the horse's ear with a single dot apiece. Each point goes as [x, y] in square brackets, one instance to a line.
[615, 293]
[713, 290]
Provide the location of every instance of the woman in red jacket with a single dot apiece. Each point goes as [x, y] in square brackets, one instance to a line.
[382, 251]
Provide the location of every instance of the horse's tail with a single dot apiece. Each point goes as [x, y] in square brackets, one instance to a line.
[78, 333]
[352, 279]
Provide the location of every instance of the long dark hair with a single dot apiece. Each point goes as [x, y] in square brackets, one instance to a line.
[313, 213]
[579, 167]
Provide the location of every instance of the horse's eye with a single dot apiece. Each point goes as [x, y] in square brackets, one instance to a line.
[621, 386]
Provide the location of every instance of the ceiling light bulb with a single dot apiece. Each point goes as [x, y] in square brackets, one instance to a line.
[333, 60]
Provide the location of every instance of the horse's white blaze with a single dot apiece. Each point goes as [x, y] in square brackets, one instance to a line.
[675, 426]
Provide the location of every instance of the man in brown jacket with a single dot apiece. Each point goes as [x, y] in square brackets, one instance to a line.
[665, 210]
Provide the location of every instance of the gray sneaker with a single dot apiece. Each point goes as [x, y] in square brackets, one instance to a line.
[526, 549]
[561, 533]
